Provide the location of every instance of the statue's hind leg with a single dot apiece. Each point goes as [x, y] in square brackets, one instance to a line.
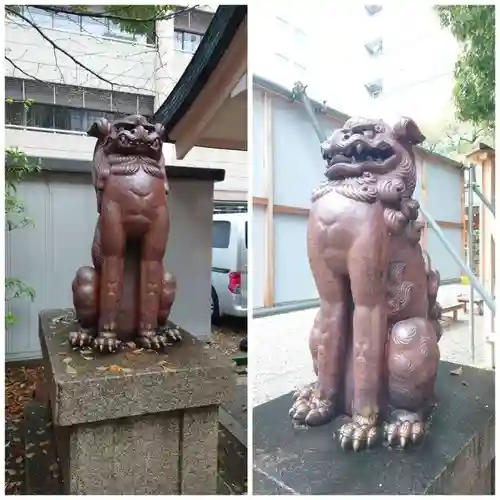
[85, 288]
[167, 297]
[413, 357]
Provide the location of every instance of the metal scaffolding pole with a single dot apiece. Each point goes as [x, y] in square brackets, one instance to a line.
[475, 187]
[470, 258]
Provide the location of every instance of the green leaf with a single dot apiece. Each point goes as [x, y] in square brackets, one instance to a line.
[473, 26]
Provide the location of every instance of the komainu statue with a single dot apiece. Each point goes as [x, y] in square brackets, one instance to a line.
[374, 342]
[126, 296]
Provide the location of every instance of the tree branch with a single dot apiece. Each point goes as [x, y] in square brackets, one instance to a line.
[96, 15]
[66, 53]
[24, 72]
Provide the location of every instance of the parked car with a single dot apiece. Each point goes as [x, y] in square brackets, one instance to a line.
[229, 265]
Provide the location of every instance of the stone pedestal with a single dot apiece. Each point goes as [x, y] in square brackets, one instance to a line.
[135, 422]
[455, 458]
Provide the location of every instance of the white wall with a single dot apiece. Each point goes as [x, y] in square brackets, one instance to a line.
[48, 255]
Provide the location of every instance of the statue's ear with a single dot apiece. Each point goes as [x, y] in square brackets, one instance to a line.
[160, 130]
[406, 130]
[100, 128]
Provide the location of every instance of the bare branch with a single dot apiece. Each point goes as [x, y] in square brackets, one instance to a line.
[24, 72]
[66, 53]
[96, 15]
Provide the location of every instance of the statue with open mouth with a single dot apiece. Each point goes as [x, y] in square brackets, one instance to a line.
[126, 296]
[374, 342]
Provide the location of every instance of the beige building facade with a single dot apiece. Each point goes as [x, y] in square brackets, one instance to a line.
[119, 74]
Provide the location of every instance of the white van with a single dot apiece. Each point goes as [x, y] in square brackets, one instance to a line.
[229, 265]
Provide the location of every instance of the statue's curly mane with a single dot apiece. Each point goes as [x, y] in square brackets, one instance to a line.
[394, 188]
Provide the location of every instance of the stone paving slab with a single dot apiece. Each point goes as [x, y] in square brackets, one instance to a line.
[454, 458]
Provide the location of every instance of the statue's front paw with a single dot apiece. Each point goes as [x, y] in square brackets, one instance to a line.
[106, 344]
[360, 433]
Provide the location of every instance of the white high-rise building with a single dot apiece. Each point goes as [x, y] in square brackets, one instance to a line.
[376, 60]
[67, 97]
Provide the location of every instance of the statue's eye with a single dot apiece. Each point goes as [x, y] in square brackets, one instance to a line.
[379, 128]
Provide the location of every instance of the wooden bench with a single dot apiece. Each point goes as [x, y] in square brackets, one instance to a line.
[454, 308]
[478, 302]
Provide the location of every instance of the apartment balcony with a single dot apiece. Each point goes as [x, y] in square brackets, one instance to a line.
[46, 143]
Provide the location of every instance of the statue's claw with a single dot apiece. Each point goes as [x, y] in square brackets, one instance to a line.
[150, 340]
[106, 344]
[80, 339]
[405, 428]
[309, 409]
[359, 433]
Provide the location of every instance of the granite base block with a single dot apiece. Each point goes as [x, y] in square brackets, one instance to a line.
[149, 425]
[456, 457]
[169, 453]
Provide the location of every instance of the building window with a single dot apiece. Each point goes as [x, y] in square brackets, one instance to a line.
[375, 47]
[186, 41]
[373, 9]
[85, 25]
[53, 117]
[67, 108]
[375, 87]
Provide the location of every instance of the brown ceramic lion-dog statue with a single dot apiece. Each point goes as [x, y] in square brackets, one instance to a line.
[126, 296]
[374, 342]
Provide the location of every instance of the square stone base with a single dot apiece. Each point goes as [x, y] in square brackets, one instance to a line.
[161, 454]
[134, 423]
[455, 458]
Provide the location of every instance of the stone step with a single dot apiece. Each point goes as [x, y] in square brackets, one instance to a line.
[42, 474]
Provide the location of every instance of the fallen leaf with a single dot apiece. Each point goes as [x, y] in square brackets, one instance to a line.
[53, 467]
[101, 368]
[70, 370]
[17, 483]
[40, 432]
[127, 370]
[138, 351]
[114, 368]
[464, 383]
[44, 452]
[132, 345]
[88, 358]
[30, 455]
[29, 445]
[10, 472]
[19, 460]
[44, 443]
[7, 444]
[457, 372]
[67, 360]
